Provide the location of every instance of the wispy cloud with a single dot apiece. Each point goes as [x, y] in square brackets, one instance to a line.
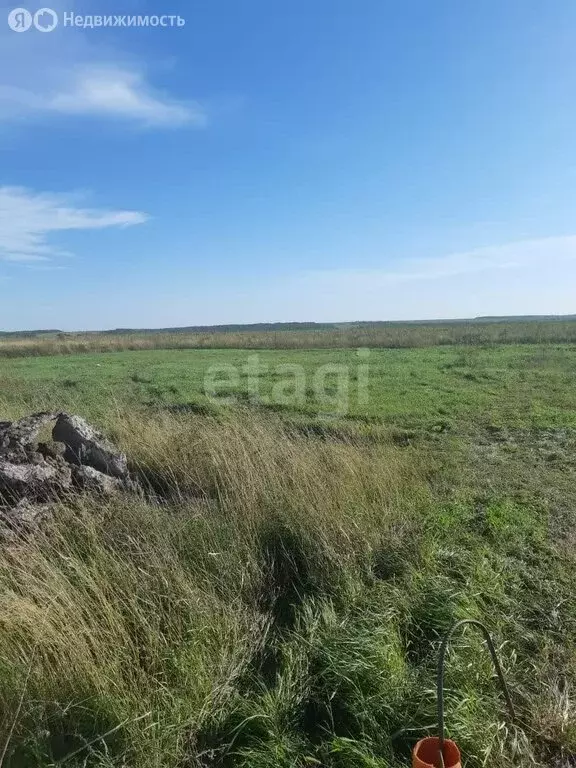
[520, 254]
[62, 74]
[107, 92]
[28, 219]
[121, 93]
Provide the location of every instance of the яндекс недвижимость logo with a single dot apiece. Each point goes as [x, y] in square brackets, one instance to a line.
[46, 19]
[21, 20]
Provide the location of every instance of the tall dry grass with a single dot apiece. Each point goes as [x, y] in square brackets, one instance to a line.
[377, 336]
[274, 600]
[125, 626]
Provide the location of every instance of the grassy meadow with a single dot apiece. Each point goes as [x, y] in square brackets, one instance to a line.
[285, 336]
[277, 596]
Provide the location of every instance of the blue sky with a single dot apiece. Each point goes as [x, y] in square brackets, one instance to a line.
[313, 160]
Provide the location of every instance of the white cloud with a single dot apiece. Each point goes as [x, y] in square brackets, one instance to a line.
[66, 73]
[542, 282]
[103, 91]
[535, 276]
[122, 93]
[528, 254]
[28, 219]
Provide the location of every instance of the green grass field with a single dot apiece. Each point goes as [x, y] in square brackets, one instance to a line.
[282, 600]
[515, 385]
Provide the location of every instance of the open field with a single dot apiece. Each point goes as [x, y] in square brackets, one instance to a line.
[515, 385]
[281, 602]
[346, 336]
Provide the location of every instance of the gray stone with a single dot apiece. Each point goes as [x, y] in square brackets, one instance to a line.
[17, 436]
[52, 450]
[90, 479]
[86, 446]
[21, 519]
[26, 514]
[33, 481]
[35, 474]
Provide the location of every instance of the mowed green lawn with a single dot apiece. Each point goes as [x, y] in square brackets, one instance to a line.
[444, 388]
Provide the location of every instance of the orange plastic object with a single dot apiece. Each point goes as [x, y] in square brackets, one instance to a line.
[426, 754]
